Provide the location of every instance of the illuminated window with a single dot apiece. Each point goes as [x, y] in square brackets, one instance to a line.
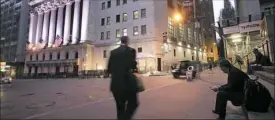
[135, 30]
[118, 35]
[125, 17]
[124, 32]
[108, 20]
[135, 15]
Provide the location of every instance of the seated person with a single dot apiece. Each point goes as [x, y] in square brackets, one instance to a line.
[260, 60]
[232, 91]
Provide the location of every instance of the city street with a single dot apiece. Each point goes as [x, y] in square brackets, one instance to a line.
[164, 98]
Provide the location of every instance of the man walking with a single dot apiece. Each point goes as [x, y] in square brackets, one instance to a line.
[121, 66]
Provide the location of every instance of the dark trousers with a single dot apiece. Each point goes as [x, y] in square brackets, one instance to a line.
[223, 97]
[126, 104]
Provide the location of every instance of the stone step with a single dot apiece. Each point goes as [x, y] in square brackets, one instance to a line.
[270, 69]
[268, 77]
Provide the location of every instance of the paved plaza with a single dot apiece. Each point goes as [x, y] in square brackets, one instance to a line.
[165, 98]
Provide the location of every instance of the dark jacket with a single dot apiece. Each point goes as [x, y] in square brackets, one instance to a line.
[121, 65]
[258, 58]
[235, 81]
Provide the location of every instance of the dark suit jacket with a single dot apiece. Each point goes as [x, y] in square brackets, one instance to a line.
[235, 81]
[121, 65]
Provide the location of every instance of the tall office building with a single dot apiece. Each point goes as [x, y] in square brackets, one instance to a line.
[14, 32]
[76, 35]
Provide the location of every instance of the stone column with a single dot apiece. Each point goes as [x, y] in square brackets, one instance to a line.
[32, 28]
[75, 35]
[67, 27]
[39, 27]
[45, 33]
[59, 27]
[52, 27]
[84, 23]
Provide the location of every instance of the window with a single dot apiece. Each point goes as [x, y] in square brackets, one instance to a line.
[43, 56]
[135, 15]
[51, 56]
[184, 54]
[211, 50]
[124, 1]
[125, 17]
[109, 4]
[135, 30]
[117, 18]
[58, 55]
[117, 2]
[118, 33]
[135, 0]
[30, 57]
[103, 6]
[108, 35]
[37, 57]
[175, 53]
[143, 13]
[139, 49]
[108, 20]
[76, 55]
[124, 32]
[143, 29]
[104, 54]
[102, 36]
[102, 21]
[67, 55]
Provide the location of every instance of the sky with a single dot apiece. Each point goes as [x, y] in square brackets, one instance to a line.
[217, 6]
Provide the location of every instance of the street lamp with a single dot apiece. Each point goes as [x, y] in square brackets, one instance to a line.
[177, 17]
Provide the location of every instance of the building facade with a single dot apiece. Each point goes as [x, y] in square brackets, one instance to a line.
[14, 30]
[77, 35]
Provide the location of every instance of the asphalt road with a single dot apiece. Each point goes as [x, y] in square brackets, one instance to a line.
[164, 98]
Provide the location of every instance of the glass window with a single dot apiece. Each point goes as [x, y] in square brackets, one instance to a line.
[117, 18]
[118, 33]
[108, 35]
[108, 20]
[51, 56]
[143, 13]
[104, 54]
[43, 56]
[37, 58]
[170, 27]
[102, 36]
[103, 6]
[143, 29]
[124, 32]
[135, 30]
[117, 2]
[58, 55]
[67, 55]
[175, 53]
[102, 21]
[139, 49]
[124, 1]
[109, 4]
[76, 55]
[125, 17]
[135, 15]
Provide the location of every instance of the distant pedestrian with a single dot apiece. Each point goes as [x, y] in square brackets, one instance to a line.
[210, 68]
[121, 66]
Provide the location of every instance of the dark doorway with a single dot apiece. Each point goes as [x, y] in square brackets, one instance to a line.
[75, 69]
[57, 69]
[30, 70]
[35, 70]
[159, 64]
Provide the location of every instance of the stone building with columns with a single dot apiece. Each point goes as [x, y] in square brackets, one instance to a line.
[76, 35]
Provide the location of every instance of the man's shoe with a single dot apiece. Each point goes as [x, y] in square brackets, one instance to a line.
[220, 118]
[214, 111]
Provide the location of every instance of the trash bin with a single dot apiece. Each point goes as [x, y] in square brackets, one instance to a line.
[189, 73]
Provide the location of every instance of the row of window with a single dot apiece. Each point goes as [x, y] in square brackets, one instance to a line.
[124, 17]
[124, 32]
[139, 50]
[36, 57]
[109, 3]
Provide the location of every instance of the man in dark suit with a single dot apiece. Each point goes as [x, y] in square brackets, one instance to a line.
[232, 91]
[121, 65]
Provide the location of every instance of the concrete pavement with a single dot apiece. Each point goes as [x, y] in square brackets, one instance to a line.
[164, 98]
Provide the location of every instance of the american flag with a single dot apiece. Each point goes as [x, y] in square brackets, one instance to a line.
[58, 41]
